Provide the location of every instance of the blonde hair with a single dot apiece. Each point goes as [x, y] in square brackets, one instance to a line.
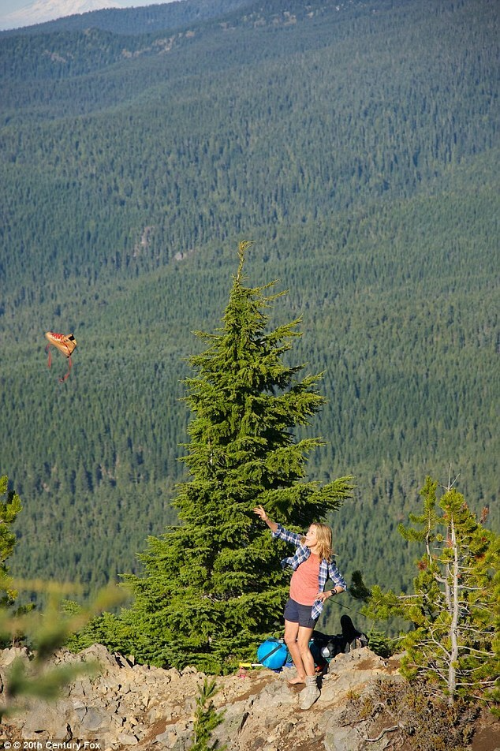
[324, 538]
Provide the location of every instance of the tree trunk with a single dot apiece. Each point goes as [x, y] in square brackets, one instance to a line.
[454, 617]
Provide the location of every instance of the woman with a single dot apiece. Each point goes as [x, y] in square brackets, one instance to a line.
[312, 567]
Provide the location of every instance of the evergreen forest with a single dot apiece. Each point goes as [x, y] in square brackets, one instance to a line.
[357, 145]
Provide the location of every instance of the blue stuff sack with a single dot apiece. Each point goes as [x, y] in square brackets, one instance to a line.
[272, 654]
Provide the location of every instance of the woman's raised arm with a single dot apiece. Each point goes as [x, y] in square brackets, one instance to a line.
[259, 510]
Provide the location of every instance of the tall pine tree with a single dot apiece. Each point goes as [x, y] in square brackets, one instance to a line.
[213, 586]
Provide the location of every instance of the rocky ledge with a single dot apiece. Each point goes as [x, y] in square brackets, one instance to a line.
[129, 705]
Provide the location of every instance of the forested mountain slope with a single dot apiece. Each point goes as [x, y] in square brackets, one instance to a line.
[357, 144]
[169, 15]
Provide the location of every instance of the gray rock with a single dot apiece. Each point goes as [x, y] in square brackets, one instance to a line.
[343, 739]
[99, 653]
[50, 720]
[94, 719]
[351, 739]
[7, 656]
[231, 727]
[274, 695]
[124, 662]
[167, 738]
[80, 712]
[128, 740]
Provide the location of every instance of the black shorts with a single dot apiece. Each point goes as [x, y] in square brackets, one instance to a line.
[301, 614]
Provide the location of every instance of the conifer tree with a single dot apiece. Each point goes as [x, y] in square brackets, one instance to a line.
[455, 607]
[213, 586]
[207, 719]
[9, 509]
[44, 631]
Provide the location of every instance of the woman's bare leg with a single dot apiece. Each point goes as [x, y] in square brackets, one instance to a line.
[303, 638]
[291, 633]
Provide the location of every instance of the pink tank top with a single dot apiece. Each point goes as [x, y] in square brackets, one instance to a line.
[304, 584]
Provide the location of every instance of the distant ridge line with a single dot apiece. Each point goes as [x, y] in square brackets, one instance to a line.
[139, 20]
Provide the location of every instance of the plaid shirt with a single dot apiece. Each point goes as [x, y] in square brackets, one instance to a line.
[327, 569]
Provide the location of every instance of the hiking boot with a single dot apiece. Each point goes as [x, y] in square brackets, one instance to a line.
[65, 344]
[310, 694]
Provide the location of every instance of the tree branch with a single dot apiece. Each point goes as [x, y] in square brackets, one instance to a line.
[381, 735]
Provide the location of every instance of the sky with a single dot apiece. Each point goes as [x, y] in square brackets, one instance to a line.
[17, 13]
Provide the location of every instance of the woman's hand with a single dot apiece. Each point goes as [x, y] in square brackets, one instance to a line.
[323, 596]
[259, 510]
